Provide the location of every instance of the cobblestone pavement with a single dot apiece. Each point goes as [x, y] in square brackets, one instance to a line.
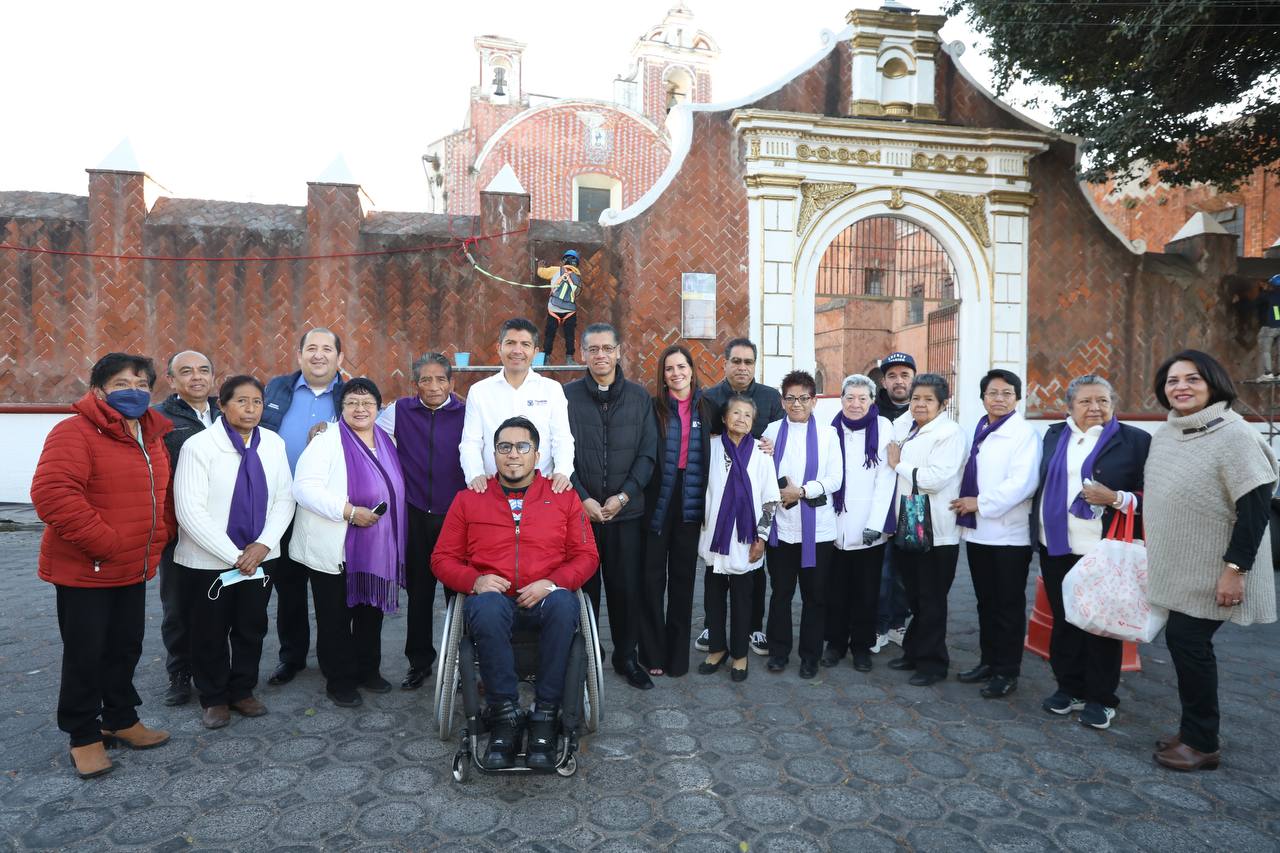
[844, 762]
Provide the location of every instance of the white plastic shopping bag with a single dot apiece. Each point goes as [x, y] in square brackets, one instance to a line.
[1106, 592]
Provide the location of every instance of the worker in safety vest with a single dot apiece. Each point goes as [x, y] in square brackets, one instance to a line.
[562, 304]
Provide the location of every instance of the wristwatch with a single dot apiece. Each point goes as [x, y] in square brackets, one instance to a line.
[553, 585]
[622, 498]
[1233, 567]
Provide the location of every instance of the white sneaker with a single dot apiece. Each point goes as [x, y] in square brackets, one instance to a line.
[895, 635]
[882, 640]
[760, 643]
[703, 643]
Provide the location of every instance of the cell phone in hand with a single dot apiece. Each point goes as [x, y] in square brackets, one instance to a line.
[380, 508]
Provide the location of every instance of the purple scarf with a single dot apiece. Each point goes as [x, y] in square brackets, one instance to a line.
[248, 513]
[737, 509]
[808, 515]
[870, 445]
[1055, 489]
[969, 483]
[374, 554]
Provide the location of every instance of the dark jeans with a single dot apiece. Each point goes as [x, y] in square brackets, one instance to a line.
[784, 571]
[420, 586]
[927, 578]
[999, 574]
[175, 630]
[892, 610]
[348, 639]
[555, 321]
[226, 635]
[101, 642]
[670, 570]
[853, 595]
[293, 624]
[1190, 642]
[1085, 665]
[492, 616]
[737, 589]
[621, 547]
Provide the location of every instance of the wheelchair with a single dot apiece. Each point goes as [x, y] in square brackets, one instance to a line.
[458, 674]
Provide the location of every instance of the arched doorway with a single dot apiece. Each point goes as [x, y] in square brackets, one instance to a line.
[884, 283]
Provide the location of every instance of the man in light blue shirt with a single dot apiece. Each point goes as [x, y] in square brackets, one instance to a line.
[294, 403]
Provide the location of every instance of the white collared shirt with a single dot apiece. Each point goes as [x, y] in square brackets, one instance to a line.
[1008, 474]
[492, 400]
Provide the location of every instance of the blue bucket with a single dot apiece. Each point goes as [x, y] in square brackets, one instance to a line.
[539, 359]
[462, 359]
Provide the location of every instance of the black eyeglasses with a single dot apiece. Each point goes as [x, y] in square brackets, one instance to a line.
[742, 361]
[502, 448]
[791, 400]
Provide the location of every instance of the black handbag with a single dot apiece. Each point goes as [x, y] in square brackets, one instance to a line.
[915, 521]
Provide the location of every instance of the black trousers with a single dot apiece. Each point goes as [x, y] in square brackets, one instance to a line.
[1085, 665]
[174, 600]
[555, 321]
[101, 642]
[226, 635]
[621, 545]
[420, 586]
[927, 578]
[670, 571]
[759, 592]
[999, 574]
[293, 623]
[784, 571]
[853, 599]
[348, 639]
[737, 589]
[1190, 642]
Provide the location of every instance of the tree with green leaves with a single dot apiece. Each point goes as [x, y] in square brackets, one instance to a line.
[1190, 85]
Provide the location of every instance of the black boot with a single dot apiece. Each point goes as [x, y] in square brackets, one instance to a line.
[544, 729]
[505, 721]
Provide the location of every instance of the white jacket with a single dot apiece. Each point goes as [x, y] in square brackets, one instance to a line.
[492, 400]
[764, 489]
[202, 488]
[320, 487]
[792, 465]
[1008, 474]
[936, 455]
[868, 492]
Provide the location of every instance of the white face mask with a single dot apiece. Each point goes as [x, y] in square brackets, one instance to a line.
[233, 576]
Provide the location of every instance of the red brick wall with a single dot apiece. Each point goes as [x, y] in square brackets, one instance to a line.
[1156, 212]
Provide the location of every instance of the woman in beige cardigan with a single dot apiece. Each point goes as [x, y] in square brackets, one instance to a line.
[1209, 480]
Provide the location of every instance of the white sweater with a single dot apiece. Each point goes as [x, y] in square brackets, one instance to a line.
[867, 491]
[826, 481]
[764, 489]
[1008, 474]
[320, 487]
[202, 488]
[936, 455]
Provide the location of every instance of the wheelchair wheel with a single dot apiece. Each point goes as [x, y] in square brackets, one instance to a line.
[462, 767]
[567, 769]
[592, 710]
[447, 675]
[438, 686]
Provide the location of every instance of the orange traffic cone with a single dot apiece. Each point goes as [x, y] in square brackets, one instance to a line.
[1040, 626]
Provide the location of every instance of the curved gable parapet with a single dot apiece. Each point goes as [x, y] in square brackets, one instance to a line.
[680, 123]
[534, 112]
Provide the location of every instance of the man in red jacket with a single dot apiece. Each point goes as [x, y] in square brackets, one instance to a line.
[518, 550]
[100, 488]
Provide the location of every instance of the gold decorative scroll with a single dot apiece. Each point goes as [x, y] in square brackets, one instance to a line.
[817, 197]
[839, 154]
[895, 201]
[942, 163]
[972, 210]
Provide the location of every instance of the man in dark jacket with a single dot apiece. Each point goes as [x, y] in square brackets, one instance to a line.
[897, 372]
[615, 446]
[740, 356]
[428, 430]
[294, 403]
[190, 408]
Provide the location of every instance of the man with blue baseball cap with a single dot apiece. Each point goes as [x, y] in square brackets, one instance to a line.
[1269, 331]
[562, 304]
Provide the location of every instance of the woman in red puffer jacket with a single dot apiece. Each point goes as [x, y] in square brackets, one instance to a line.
[100, 488]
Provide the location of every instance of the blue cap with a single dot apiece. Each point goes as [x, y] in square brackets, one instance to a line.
[897, 358]
[1275, 280]
[572, 253]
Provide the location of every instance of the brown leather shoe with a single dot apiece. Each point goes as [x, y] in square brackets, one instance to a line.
[136, 736]
[1179, 756]
[1169, 740]
[215, 717]
[91, 760]
[249, 706]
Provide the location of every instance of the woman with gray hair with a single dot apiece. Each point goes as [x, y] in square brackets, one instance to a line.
[862, 504]
[1090, 469]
